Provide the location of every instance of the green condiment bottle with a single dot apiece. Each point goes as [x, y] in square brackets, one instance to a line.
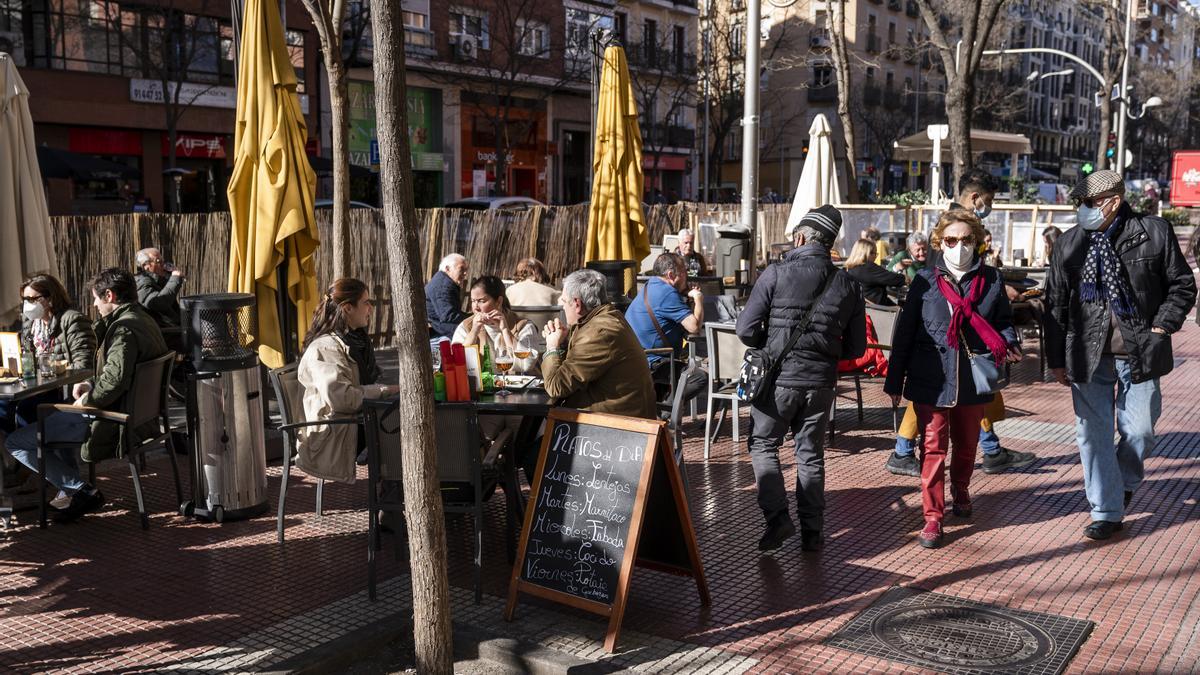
[439, 386]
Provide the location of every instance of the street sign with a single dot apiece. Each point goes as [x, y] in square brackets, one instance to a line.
[938, 132]
[914, 167]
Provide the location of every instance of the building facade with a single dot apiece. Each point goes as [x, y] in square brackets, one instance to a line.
[94, 70]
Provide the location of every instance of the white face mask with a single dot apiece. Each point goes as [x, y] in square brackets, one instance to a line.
[33, 309]
[1091, 218]
[958, 256]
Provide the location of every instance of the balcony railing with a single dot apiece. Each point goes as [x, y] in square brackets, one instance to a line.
[648, 56]
[419, 41]
[667, 135]
[892, 51]
[823, 94]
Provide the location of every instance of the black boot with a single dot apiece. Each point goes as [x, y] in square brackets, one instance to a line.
[779, 529]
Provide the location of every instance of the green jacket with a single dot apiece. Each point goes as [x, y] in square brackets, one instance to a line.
[160, 297]
[909, 272]
[128, 336]
[72, 339]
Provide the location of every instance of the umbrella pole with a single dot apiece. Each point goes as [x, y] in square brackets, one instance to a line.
[286, 310]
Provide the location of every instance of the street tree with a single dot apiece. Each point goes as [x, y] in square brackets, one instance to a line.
[329, 18]
[509, 63]
[1112, 59]
[843, 75]
[432, 634]
[960, 31]
[172, 43]
[662, 78]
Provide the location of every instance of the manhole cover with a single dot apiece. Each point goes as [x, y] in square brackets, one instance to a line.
[954, 635]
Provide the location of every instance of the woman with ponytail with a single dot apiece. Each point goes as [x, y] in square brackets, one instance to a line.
[955, 305]
[337, 372]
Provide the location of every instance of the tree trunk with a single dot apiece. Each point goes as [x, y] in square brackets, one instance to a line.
[339, 108]
[841, 69]
[958, 114]
[1106, 108]
[423, 505]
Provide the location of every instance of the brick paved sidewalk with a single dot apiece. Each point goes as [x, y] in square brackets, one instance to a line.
[102, 595]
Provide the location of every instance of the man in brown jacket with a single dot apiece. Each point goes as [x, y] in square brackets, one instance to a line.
[601, 366]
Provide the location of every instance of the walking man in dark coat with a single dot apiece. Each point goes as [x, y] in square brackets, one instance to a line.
[1117, 288]
[803, 390]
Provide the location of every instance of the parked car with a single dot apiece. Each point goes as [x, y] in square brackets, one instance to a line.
[509, 210]
[328, 204]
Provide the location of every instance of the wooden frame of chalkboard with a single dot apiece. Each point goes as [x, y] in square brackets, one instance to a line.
[601, 481]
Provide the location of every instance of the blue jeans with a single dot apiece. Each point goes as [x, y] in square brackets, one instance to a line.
[1110, 469]
[989, 443]
[62, 471]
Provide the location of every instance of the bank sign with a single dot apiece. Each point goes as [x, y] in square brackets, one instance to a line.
[201, 95]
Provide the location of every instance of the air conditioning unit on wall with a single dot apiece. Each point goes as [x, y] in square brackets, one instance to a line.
[13, 44]
[466, 47]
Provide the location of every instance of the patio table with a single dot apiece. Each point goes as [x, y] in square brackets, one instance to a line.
[21, 390]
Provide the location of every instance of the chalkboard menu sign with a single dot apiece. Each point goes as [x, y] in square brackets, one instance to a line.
[599, 479]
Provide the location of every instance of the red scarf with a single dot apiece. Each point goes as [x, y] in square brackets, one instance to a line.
[964, 310]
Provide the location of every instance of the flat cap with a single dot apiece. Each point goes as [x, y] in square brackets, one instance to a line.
[1098, 183]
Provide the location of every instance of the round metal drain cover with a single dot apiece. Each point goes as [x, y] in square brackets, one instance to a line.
[963, 637]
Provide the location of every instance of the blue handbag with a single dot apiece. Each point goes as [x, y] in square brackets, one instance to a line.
[986, 374]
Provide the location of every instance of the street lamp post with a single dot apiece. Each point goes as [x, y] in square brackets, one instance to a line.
[750, 124]
[1119, 160]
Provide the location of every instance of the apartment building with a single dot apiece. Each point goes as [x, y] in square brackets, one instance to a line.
[898, 87]
[93, 77]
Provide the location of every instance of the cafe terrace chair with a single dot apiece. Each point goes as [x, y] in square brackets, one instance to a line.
[145, 408]
[675, 421]
[884, 319]
[539, 315]
[289, 394]
[725, 355]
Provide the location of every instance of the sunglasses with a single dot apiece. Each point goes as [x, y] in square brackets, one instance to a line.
[1094, 202]
[951, 242]
[32, 298]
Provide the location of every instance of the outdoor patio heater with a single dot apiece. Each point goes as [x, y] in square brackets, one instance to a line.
[224, 408]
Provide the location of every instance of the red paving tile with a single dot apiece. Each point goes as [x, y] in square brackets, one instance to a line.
[104, 595]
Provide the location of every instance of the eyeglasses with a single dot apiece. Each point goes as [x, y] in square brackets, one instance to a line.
[951, 242]
[32, 298]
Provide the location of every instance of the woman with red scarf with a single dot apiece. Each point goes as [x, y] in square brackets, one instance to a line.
[956, 303]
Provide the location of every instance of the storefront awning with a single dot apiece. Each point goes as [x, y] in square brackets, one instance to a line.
[57, 163]
[919, 147]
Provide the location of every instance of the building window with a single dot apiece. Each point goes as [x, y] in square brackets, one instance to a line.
[534, 38]
[822, 75]
[621, 23]
[737, 37]
[470, 21]
[650, 40]
[295, 47]
[580, 25]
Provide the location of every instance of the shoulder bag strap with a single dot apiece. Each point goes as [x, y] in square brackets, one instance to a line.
[653, 319]
[803, 325]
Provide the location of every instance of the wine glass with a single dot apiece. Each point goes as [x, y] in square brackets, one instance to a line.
[503, 360]
[524, 349]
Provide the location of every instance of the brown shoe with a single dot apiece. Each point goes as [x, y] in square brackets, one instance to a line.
[931, 536]
[960, 504]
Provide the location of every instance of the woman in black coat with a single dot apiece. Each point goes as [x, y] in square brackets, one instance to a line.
[875, 280]
[956, 302]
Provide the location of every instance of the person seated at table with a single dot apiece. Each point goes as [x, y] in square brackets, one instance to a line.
[49, 326]
[882, 250]
[990, 255]
[337, 372]
[697, 266]
[127, 336]
[443, 297]
[595, 362]
[660, 318]
[533, 287]
[875, 280]
[1050, 237]
[912, 259]
[158, 287]
[493, 323]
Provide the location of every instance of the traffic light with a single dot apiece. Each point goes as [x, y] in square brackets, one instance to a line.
[1087, 168]
[1112, 146]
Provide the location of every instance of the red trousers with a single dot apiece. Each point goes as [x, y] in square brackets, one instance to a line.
[956, 427]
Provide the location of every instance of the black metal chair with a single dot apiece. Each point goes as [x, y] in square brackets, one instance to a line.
[289, 394]
[145, 407]
[461, 462]
[675, 419]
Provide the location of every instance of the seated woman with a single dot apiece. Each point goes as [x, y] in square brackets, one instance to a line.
[874, 279]
[533, 287]
[49, 326]
[493, 323]
[337, 372]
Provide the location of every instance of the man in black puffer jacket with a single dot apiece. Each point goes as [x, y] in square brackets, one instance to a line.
[1118, 286]
[804, 388]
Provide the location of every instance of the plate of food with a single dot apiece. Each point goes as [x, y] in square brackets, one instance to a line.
[9, 379]
[515, 381]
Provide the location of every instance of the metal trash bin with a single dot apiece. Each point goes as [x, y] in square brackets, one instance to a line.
[224, 408]
[733, 247]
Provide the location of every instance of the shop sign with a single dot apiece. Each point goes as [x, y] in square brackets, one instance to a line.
[490, 156]
[88, 141]
[1185, 178]
[191, 93]
[202, 146]
[424, 112]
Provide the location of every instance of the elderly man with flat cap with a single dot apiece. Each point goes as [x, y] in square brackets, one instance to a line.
[1117, 288]
[804, 292]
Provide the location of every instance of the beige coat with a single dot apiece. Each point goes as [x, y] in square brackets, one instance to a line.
[530, 293]
[331, 391]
